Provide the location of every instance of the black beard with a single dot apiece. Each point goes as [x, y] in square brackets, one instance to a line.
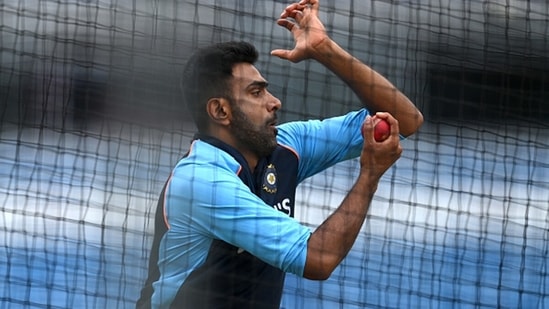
[260, 141]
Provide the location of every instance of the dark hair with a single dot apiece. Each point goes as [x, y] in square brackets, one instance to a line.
[208, 73]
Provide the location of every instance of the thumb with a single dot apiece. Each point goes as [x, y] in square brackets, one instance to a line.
[367, 128]
[280, 53]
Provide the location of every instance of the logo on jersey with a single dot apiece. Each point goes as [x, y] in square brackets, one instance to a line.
[269, 179]
[285, 206]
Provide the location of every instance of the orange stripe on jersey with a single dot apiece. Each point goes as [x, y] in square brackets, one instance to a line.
[164, 203]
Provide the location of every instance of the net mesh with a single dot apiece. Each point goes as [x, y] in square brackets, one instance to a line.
[91, 125]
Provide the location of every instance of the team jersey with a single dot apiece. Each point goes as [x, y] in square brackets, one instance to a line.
[225, 235]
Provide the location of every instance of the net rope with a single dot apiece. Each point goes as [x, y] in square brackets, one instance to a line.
[91, 125]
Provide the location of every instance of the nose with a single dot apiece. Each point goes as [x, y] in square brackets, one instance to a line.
[275, 103]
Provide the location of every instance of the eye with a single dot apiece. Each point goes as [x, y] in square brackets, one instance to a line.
[257, 92]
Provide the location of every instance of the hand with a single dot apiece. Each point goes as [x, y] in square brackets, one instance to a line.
[377, 157]
[301, 19]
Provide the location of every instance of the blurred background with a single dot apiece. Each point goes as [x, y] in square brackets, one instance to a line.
[91, 124]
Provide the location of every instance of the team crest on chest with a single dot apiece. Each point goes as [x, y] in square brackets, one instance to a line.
[269, 179]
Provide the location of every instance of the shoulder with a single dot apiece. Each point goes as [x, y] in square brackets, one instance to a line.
[205, 157]
[204, 165]
[205, 180]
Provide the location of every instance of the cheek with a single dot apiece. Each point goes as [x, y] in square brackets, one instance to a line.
[255, 115]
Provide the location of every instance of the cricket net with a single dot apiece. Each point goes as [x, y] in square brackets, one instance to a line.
[91, 124]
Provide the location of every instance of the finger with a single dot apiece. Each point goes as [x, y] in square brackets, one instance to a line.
[297, 15]
[367, 129]
[387, 116]
[289, 9]
[286, 24]
[393, 122]
[395, 128]
[281, 53]
[312, 4]
[383, 115]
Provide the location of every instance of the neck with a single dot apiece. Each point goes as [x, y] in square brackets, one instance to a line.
[250, 157]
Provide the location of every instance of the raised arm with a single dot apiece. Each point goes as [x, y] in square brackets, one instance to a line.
[312, 42]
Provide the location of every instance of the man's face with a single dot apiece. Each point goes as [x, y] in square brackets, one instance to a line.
[253, 111]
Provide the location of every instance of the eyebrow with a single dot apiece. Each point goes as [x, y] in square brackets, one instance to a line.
[258, 83]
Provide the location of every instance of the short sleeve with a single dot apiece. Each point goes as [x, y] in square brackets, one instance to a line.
[323, 143]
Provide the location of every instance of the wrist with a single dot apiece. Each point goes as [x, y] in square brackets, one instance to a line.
[326, 51]
[367, 180]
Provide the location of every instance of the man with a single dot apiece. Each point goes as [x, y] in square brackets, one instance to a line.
[225, 234]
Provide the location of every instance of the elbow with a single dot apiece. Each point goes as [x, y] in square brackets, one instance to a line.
[412, 126]
[418, 121]
[318, 275]
[319, 269]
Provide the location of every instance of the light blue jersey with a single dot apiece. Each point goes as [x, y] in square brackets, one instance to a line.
[227, 234]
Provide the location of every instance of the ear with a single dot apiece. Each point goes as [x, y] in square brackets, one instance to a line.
[219, 110]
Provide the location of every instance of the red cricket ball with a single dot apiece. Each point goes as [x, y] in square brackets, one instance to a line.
[382, 130]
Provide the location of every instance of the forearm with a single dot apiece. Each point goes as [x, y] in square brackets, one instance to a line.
[333, 239]
[375, 91]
